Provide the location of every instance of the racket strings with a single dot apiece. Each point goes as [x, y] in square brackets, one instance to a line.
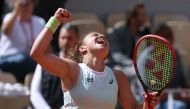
[155, 63]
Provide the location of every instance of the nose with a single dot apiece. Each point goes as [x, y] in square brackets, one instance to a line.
[101, 36]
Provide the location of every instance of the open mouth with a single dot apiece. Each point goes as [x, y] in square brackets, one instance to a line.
[100, 41]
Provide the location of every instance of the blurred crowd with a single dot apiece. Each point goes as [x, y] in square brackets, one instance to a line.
[22, 20]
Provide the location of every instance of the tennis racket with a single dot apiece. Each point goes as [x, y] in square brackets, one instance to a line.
[155, 63]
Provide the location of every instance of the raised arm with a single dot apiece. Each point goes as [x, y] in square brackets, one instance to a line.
[59, 67]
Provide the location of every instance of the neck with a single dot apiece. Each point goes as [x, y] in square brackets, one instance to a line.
[94, 63]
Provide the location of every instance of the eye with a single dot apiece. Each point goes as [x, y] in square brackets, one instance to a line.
[95, 34]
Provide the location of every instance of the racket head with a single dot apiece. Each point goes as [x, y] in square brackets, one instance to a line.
[154, 62]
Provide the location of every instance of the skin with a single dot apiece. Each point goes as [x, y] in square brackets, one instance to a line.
[94, 49]
[142, 17]
[21, 11]
[67, 39]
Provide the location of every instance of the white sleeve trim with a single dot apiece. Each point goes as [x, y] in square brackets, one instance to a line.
[36, 97]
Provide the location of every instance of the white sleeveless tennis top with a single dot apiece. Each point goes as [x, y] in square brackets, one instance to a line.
[92, 90]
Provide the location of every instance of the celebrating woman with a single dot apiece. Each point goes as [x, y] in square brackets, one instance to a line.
[89, 84]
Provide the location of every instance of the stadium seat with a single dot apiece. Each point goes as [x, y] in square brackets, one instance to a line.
[162, 18]
[181, 31]
[115, 17]
[83, 15]
[12, 101]
[7, 77]
[119, 24]
[89, 25]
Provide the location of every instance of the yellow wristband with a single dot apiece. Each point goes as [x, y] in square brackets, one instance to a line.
[53, 24]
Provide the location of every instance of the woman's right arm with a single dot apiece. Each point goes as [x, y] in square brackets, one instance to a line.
[50, 62]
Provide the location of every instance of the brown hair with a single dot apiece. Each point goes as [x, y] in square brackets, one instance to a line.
[136, 9]
[165, 31]
[133, 14]
[129, 19]
[74, 53]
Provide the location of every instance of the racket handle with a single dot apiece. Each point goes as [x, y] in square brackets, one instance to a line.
[148, 102]
[150, 107]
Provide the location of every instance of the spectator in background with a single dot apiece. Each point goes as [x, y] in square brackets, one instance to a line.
[165, 31]
[140, 13]
[123, 39]
[19, 30]
[46, 8]
[46, 90]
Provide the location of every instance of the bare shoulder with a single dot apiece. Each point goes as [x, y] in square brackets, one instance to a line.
[125, 96]
[121, 78]
[119, 73]
[71, 78]
[73, 67]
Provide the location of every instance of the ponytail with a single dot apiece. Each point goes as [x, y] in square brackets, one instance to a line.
[74, 54]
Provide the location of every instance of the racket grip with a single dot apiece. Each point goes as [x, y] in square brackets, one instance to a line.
[150, 107]
[148, 101]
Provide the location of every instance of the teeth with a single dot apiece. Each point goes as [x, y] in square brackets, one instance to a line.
[101, 41]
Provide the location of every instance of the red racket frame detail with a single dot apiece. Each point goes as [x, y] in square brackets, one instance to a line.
[135, 61]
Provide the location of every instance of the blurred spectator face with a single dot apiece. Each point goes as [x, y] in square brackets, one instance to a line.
[26, 7]
[142, 16]
[133, 26]
[67, 39]
[140, 13]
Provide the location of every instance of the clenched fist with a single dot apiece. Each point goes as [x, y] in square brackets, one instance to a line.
[62, 15]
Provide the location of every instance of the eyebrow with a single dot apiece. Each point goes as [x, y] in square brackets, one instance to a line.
[95, 34]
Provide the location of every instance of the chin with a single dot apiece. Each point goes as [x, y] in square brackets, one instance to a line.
[103, 52]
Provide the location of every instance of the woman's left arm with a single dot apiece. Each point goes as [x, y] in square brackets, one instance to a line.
[125, 95]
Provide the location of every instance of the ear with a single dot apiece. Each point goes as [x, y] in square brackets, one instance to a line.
[83, 49]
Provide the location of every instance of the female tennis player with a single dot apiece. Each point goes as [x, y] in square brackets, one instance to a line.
[90, 84]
